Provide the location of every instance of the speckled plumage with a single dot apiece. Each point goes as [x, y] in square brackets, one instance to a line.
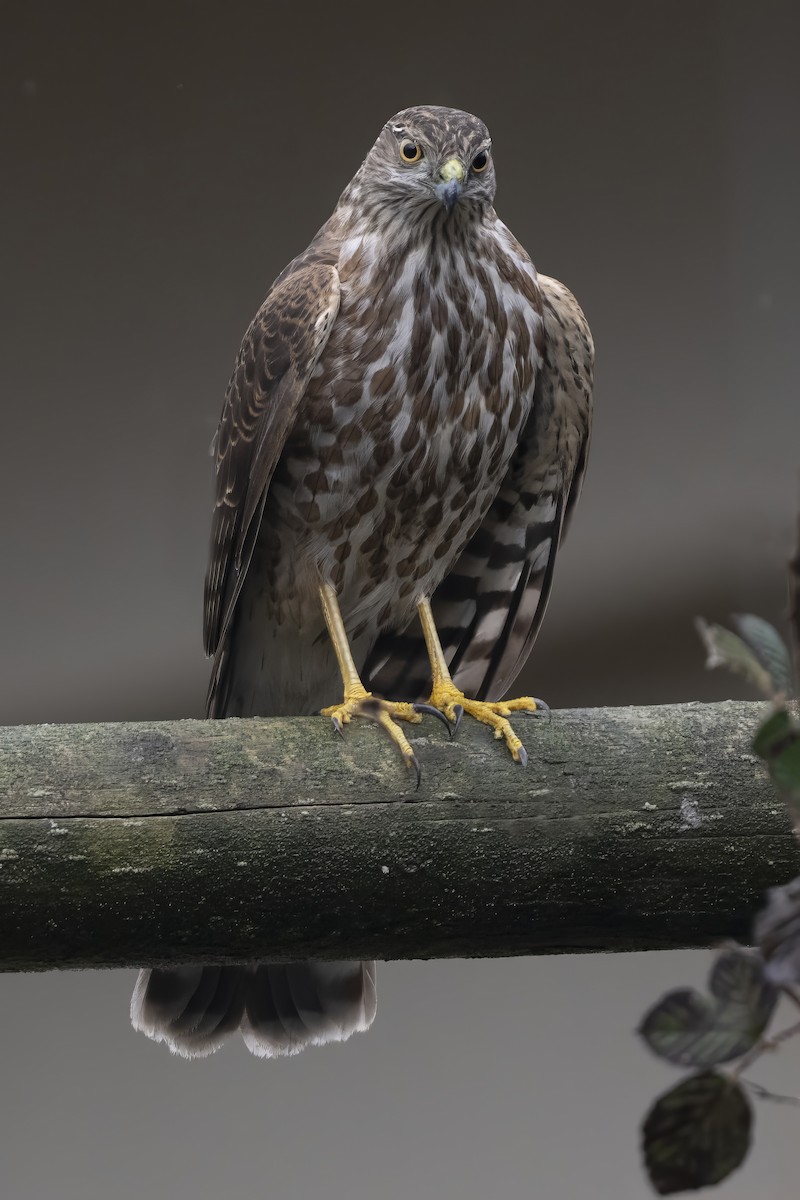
[408, 418]
[401, 438]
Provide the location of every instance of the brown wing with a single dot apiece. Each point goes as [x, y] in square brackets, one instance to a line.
[273, 367]
[489, 607]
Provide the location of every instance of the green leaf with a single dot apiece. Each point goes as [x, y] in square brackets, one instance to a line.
[777, 742]
[769, 648]
[726, 649]
[772, 732]
[737, 978]
[692, 1030]
[696, 1134]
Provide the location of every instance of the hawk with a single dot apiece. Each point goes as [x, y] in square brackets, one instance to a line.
[401, 446]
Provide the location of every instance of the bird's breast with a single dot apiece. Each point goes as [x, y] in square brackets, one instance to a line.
[409, 422]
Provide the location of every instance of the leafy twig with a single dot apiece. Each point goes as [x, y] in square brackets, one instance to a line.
[697, 1133]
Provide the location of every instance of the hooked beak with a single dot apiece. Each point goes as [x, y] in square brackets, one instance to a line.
[452, 177]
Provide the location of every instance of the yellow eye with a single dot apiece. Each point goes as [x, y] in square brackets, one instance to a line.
[480, 162]
[410, 152]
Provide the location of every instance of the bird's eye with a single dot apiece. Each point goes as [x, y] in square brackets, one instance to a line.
[410, 152]
[480, 162]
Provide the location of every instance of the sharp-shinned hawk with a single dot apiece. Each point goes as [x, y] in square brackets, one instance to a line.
[402, 443]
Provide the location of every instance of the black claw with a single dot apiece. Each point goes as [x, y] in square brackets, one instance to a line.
[522, 755]
[542, 709]
[434, 712]
[337, 725]
[458, 709]
[414, 763]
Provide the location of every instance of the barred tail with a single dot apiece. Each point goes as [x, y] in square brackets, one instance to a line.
[281, 1008]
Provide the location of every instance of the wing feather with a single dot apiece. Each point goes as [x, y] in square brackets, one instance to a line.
[275, 362]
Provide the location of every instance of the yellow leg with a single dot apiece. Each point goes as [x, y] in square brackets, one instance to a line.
[451, 701]
[358, 702]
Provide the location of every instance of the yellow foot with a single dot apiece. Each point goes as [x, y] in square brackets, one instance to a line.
[451, 701]
[385, 713]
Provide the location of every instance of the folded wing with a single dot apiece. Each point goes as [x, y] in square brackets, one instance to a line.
[273, 367]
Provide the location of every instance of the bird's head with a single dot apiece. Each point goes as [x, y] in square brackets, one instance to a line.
[430, 160]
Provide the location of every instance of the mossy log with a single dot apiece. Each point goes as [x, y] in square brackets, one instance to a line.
[236, 840]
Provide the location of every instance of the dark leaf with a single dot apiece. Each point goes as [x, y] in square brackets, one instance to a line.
[692, 1030]
[778, 743]
[769, 648]
[696, 1134]
[726, 649]
[773, 733]
[737, 978]
[777, 932]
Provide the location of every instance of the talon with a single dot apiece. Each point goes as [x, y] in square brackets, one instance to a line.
[434, 712]
[542, 709]
[357, 701]
[384, 713]
[413, 762]
[447, 697]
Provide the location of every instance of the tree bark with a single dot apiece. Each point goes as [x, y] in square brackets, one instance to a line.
[236, 840]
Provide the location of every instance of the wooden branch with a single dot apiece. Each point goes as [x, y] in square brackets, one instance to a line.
[631, 829]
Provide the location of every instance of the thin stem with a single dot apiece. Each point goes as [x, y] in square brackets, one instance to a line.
[765, 1094]
[764, 1044]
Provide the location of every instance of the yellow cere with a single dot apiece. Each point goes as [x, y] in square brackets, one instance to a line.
[452, 169]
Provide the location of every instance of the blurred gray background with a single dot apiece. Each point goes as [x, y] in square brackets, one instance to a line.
[160, 164]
